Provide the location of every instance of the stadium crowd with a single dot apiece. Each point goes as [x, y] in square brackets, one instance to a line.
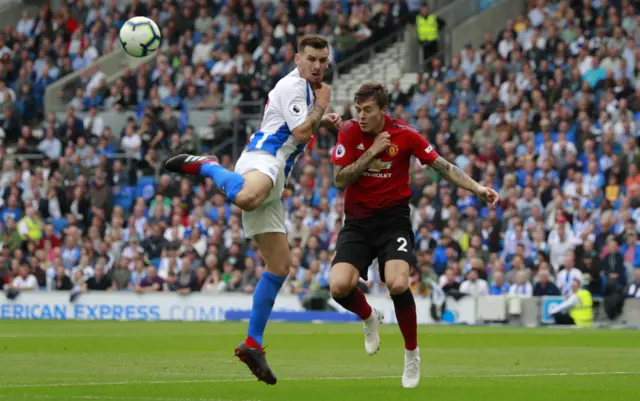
[545, 112]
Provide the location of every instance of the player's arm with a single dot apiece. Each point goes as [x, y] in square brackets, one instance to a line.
[304, 132]
[295, 109]
[346, 172]
[455, 175]
[450, 172]
[330, 119]
[343, 176]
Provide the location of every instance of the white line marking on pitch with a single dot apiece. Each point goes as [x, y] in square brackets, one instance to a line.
[107, 397]
[341, 378]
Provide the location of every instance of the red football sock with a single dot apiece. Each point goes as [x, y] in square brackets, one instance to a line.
[357, 303]
[405, 307]
[251, 343]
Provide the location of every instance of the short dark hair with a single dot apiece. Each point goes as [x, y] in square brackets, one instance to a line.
[312, 40]
[375, 91]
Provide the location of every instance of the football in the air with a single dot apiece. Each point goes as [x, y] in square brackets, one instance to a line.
[140, 36]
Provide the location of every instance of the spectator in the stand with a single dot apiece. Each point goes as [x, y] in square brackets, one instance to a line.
[522, 288]
[568, 272]
[499, 287]
[474, 285]
[151, 282]
[561, 241]
[429, 27]
[544, 287]
[24, 281]
[633, 291]
[612, 265]
[11, 237]
[61, 281]
[50, 145]
[99, 281]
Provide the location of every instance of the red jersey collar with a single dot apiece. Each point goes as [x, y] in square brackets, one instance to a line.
[387, 123]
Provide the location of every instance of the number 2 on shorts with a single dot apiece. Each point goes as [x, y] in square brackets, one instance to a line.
[403, 244]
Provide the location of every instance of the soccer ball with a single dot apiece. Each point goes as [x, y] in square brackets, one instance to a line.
[140, 36]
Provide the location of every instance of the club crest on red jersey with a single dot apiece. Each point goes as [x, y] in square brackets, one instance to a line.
[392, 150]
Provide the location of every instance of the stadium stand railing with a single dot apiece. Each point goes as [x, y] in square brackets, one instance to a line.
[12, 10]
[484, 21]
[399, 53]
[368, 52]
[455, 15]
[112, 65]
[198, 118]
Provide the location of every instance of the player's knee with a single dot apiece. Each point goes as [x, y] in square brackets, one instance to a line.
[281, 270]
[398, 285]
[340, 288]
[249, 200]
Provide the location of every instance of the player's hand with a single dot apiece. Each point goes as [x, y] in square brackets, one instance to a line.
[323, 95]
[381, 143]
[333, 119]
[488, 195]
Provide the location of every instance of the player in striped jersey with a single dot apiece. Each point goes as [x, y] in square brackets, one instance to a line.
[293, 112]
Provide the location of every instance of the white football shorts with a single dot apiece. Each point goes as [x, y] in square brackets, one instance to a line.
[268, 217]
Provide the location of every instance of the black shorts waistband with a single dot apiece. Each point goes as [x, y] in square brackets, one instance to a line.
[391, 213]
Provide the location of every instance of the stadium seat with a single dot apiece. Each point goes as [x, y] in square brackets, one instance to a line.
[156, 262]
[59, 224]
[124, 198]
[145, 188]
[124, 191]
[125, 202]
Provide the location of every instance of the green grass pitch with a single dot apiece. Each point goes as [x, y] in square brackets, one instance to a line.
[174, 361]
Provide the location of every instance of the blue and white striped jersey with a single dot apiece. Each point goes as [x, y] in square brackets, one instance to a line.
[289, 104]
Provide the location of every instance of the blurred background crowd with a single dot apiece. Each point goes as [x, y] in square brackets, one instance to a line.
[546, 112]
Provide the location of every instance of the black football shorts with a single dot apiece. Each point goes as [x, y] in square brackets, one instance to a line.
[386, 236]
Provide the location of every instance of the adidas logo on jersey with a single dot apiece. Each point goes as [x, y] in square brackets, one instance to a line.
[360, 147]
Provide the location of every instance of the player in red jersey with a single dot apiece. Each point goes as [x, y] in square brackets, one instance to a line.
[372, 159]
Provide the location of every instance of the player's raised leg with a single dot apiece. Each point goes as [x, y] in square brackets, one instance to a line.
[247, 191]
[396, 273]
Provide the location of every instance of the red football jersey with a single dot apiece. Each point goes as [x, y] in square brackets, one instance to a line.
[386, 183]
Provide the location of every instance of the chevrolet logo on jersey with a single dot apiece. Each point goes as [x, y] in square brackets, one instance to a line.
[377, 165]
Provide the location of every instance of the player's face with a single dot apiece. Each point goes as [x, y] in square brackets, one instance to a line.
[369, 115]
[312, 63]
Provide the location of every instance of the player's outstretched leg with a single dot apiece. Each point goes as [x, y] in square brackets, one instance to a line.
[229, 182]
[397, 280]
[275, 250]
[345, 291]
[246, 191]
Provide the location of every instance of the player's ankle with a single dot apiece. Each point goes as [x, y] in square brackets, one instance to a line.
[372, 316]
[251, 343]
